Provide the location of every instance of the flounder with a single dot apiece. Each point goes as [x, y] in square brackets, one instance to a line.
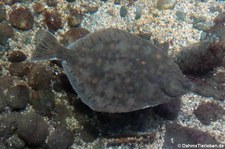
[115, 71]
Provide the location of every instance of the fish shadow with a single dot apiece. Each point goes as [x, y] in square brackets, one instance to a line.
[114, 125]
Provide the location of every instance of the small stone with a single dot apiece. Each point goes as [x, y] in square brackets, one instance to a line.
[19, 69]
[53, 20]
[17, 97]
[74, 20]
[21, 18]
[131, 2]
[181, 15]
[15, 142]
[154, 11]
[74, 34]
[204, 26]
[40, 77]
[123, 11]
[91, 10]
[43, 101]
[61, 138]
[117, 2]
[6, 32]
[166, 4]
[17, 56]
[61, 112]
[38, 7]
[177, 135]
[8, 125]
[52, 3]
[32, 129]
[220, 18]
[209, 112]
[2, 13]
[211, 85]
[70, 0]
[6, 82]
[138, 13]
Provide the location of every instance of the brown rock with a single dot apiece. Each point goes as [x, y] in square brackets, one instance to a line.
[74, 34]
[184, 135]
[2, 13]
[17, 97]
[6, 32]
[19, 69]
[32, 129]
[40, 77]
[74, 20]
[43, 101]
[52, 3]
[17, 56]
[208, 112]
[220, 18]
[53, 20]
[21, 18]
[38, 7]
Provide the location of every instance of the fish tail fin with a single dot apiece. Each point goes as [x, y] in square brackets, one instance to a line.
[47, 47]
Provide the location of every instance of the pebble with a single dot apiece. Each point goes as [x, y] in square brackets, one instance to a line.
[74, 34]
[70, 0]
[61, 112]
[6, 82]
[32, 129]
[43, 102]
[74, 20]
[8, 125]
[181, 15]
[19, 69]
[38, 7]
[204, 26]
[53, 20]
[123, 11]
[138, 13]
[91, 10]
[166, 4]
[21, 18]
[52, 3]
[40, 77]
[61, 138]
[209, 112]
[117, 2]
[2, 13]
[184, 136]
[6, 32]
[17, 97]
[17, 56]
[220, 18]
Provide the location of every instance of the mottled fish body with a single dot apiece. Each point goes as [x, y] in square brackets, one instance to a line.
[115, 71]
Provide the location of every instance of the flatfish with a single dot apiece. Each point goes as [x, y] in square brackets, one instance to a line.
[115, 71]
